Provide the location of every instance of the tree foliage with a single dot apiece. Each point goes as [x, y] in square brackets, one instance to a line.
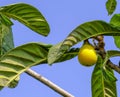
[13, 63]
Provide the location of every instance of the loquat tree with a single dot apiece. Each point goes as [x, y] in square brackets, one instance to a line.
[16, 60]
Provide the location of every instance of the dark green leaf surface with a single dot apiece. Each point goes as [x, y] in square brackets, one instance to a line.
[117, 41]
[14, 83]
[108, 74]
[28, 15]
[82, 32]
[103, 81]
[73, 52]
[111, 6]
[16, 61]
[6, 37]
[115, 21]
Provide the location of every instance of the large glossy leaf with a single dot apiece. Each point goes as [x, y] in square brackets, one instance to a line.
[82, 32]
[18, 60]
[6, 37]
[28, 15]
[115, 21]
[111, 6]
[103, 81]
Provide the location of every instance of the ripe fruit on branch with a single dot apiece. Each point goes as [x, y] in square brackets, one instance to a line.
[87, 55]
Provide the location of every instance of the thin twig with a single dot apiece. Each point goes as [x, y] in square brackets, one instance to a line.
[113, 66]
[48, 83]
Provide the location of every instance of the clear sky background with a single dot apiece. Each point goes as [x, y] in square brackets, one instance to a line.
[63, 16]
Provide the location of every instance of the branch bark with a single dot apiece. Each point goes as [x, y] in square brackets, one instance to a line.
[113, 66]
[102, 52]
[48, 83]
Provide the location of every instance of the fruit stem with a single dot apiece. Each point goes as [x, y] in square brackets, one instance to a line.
[102, 52]
[86, 41]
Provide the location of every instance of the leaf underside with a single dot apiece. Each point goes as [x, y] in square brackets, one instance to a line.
[73, 52]
[103, 81]
[6, 37]
[16, 61]
[83, 32]
[19, 59]
[28, 15]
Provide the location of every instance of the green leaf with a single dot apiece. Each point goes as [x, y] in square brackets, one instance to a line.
[6, 37]
[115, 21]
[103, 82]
[82, 32]
[28, 15]
[19, 59]
[117, 41]
[108, 74]
[111, 53]
[14, 83]
[111, 6]
[73, 52]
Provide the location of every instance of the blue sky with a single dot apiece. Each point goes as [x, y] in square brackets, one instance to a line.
[63, 16]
